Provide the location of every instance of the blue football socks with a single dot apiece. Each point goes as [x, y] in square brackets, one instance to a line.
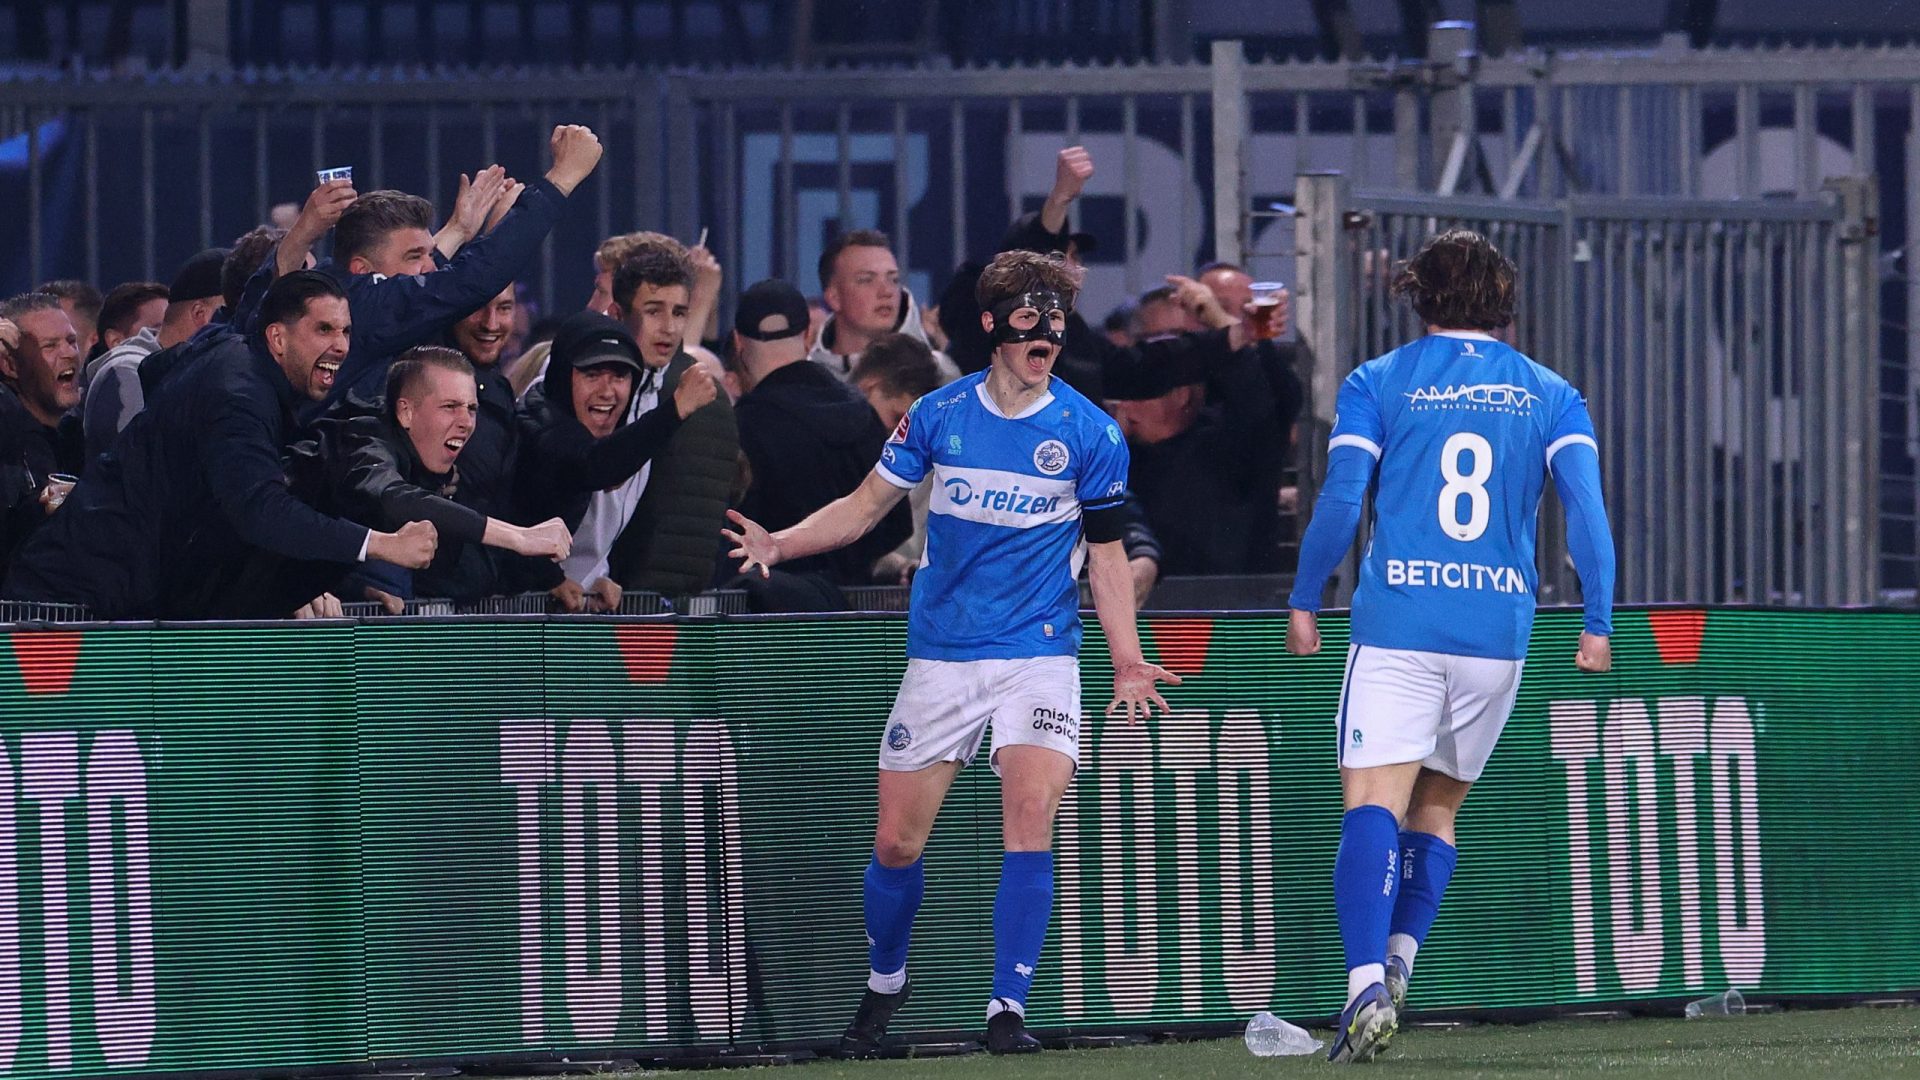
[892, 898]
[1426, 865]
[1365, 878]
[1020, 912]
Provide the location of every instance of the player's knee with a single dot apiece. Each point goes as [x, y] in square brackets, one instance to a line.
[1028, 820]
[895, 848]
[1432, 819]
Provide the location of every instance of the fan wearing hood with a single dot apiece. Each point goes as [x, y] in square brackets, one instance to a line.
[577, 445]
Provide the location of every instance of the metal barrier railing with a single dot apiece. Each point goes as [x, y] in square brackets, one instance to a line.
[1726, 349]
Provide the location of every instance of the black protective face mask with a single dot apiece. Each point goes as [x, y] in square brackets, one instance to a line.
[1040, 300]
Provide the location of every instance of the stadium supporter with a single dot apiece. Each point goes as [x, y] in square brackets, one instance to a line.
[809, 437]
[250, 250]
[487, 463]
[1089, 361]
[1206, 475]
[407, 464]
[39, 436]
[860, 282]
[581, 448]
[1279, 358]
[81, 301]
[1445, 601]
[241, 288]
[896, 371]
[389, 263]
[128, 309]
[665, 543]
[1026, 468]
[167, 522]
[113, 394]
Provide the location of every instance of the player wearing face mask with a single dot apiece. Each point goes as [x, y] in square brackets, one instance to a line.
[1024, 469]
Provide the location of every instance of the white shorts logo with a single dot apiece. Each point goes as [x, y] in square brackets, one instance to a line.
[1050, 457]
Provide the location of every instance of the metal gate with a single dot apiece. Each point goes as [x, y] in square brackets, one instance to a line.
[1727, 351]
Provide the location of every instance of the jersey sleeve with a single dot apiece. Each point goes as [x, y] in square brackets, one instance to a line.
[1356, 419]
[1572, 426]
[906, 453]
[1101, 484]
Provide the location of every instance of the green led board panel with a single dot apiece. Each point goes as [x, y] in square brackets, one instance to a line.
[288, 847]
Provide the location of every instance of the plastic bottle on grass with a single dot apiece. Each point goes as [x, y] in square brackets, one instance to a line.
[1270, 1036]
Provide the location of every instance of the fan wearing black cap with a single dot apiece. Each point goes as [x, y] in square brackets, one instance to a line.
[579, 452]
[809, 437]
[112, 379]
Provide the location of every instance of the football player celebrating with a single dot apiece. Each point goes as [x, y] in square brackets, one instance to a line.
[1024, 467]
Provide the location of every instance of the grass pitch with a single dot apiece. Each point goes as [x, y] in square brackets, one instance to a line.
[1825, 1043]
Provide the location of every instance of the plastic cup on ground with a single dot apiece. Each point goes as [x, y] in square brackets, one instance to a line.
[1270, 1036]
[1266, 309]
[1727, 1004]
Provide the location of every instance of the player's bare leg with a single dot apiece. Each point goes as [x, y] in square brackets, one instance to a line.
[909, 802]
[1365, 875]
[1032, 781]
[1427, 857]
[895, 883]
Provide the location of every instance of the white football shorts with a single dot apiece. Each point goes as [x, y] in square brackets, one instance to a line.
[945, 706]
[1444, 711]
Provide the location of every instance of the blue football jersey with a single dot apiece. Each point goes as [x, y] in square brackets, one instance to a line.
[1464, 429]
[997, 580]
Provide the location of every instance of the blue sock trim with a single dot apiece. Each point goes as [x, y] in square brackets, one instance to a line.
[1426, 866]
[891, 898]
[1365, 879]
[1021, 909]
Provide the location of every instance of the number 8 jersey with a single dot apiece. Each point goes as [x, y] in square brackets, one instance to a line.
[1460, 433]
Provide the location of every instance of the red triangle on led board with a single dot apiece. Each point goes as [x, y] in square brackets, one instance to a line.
[47, 659]
[1182, 644]
[647, 650]
[1677, 634]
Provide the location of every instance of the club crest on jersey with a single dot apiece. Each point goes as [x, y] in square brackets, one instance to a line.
[1050, 457]
[898, 737]
[1479, 397]
[953, 444]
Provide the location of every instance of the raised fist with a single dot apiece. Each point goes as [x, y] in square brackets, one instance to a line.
[576, 150]
[1071, 173]
[696, 389]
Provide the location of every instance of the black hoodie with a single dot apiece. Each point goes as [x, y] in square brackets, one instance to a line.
[810, 439]
[561, 463]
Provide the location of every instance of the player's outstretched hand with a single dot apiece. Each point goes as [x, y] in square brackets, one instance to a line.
[1133, 686]
[753, 546]
[1595, 655]
[1303, 633]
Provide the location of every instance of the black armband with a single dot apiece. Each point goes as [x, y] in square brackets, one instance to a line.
[1105, 525]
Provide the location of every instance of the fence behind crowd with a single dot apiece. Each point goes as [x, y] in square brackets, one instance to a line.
[123, 177]
[300, 848]
[1726, 349]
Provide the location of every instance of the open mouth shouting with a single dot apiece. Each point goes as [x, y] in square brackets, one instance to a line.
[1036, 361]
[324, 372]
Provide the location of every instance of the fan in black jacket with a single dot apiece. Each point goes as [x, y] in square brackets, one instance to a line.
[403, 465]
[577, 443]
